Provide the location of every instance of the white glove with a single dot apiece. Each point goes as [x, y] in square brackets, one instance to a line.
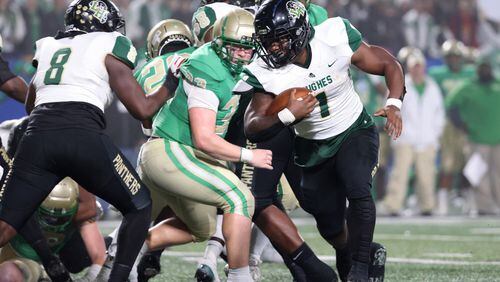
[175, 65]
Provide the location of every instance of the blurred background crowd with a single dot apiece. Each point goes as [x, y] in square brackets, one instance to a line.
[449, 49]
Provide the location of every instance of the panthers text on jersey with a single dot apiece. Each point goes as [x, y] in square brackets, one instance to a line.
[72, 69]
[207, 72]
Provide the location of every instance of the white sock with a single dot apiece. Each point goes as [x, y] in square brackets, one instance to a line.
[241, 274]
[258, 242]
[214, 247]
[133, 273]
[93, 271]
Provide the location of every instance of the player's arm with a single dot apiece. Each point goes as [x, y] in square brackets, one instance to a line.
[130, 93]
[87, 209]
[12, 85]
[376, 60]
[29, 104]
[260, 127]
[202, 118]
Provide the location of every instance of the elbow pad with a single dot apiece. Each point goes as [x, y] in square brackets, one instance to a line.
[265, 134]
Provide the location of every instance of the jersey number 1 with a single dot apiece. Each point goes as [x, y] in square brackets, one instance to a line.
[54, 73]
[323, 104]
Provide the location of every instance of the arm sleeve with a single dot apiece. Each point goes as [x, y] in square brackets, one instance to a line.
[124, 51]
[200, 98]
[353, 35]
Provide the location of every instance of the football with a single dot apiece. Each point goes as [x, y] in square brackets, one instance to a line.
[280, 102]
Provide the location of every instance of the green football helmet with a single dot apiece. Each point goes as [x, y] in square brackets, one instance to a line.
[236, 30]
[166, 32]
[57, 210]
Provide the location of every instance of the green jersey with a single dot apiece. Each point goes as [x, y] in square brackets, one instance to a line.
[477, 105]
[317, 14]
[205, 76]
[152, 75]
[56, 241]
[448, 80]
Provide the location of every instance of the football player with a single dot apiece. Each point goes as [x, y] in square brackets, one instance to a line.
[184, 165]
[453, 140]
[76, 72]
[336, 144]
[66, 218]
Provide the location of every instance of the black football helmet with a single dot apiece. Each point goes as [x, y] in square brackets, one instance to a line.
[282, 30]
[94, 15]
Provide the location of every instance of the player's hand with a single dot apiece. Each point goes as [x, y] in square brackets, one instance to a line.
[301, 107]
[262, 159]
[175, 65]
[394, 123]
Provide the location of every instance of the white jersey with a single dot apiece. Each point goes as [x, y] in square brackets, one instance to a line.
[205, 18]
[332, 46]
[72, 69]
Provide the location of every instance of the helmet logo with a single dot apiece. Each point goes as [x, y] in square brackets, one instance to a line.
[295, 9]
[100, 10]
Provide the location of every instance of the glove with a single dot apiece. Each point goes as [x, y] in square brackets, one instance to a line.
[175, 65]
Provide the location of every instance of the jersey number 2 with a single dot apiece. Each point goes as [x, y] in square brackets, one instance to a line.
[54, 73]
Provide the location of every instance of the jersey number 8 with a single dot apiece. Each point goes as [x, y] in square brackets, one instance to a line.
[54, 73]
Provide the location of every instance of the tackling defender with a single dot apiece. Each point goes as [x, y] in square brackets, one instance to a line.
[336, 144]
[76, 71]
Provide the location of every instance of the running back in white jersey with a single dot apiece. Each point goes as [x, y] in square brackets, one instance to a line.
[72, 69]
[332, 46]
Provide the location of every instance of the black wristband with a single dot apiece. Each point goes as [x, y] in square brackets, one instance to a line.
[171, 82]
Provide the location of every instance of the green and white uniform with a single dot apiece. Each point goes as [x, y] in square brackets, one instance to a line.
[63, 76]
[340, 110]
[152, 75]
[452, 140]
[205, 17]
[174, 168]
[317, 14]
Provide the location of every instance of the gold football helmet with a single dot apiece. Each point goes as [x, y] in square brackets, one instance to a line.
[236, 29]
[453, 47]
[57, 210]
[165, 32]
[406, 51]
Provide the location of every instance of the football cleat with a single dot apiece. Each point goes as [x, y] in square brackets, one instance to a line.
[204, 273]
[378, 256]
[148, 267]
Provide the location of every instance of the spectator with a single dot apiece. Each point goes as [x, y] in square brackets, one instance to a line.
[12, 25]
[384, 26]
[32, 17]
[143, 15]
[420, 28]
[453, 142]
[463, 22]
[474, 108]
[54, 18]
[423, 116]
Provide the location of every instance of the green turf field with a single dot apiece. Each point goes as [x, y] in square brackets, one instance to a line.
[419, 249]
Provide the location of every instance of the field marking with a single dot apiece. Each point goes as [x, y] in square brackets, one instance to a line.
[195, 256]
[417, 220]
[485, 231]
[420, 237]
[449, 255]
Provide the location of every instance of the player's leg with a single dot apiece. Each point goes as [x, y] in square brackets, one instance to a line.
[425, 169]
[21, 270]
[324, 198]
[107, 174]
[274, 222]
[190, 174]
[355, 164]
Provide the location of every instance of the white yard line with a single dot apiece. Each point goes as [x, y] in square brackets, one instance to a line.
[421, 237]
[485, 231]
[194, 256]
